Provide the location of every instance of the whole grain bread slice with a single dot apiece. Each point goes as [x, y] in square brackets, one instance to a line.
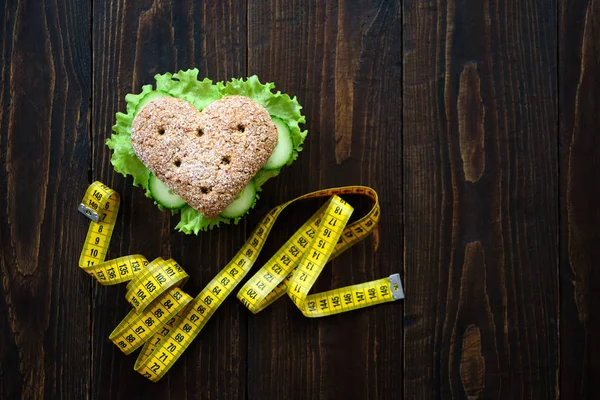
[206, 157]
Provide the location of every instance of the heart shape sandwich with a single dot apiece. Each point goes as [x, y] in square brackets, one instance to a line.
[204, 150]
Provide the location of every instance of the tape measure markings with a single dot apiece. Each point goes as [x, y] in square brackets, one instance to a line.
[165, 319]
[157, 278]
[271, 275]
[136, 328]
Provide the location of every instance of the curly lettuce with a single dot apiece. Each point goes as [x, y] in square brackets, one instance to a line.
[200, 93]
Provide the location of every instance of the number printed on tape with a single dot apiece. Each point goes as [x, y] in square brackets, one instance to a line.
[165, 320]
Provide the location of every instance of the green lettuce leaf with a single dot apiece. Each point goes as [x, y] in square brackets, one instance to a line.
[263, 176]
[185, 85]
[193, 221]
[125, 161]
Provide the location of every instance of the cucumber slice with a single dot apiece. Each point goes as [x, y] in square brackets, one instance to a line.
[163, 195]
[283, 152]
[242, 203]
[148, 98]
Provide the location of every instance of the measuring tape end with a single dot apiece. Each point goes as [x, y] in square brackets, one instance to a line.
[396, 287]
[88, 212]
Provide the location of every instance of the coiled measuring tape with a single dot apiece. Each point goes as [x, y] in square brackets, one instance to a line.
[165, 319]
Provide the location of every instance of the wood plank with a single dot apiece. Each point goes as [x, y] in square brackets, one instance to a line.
[133, 41]
[44, 98]
[342, 61]
[579, 105]
[480, 204]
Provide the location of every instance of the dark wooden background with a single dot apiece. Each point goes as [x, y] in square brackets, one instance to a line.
[478, 122]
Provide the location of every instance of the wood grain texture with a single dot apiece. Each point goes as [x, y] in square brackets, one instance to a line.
[342, 60]
[579, 105]
[133, 41]
[480, 205]
[44, 98]
[471, 115]
[476, 121]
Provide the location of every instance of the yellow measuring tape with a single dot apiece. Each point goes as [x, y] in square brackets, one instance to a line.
[165, 319]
